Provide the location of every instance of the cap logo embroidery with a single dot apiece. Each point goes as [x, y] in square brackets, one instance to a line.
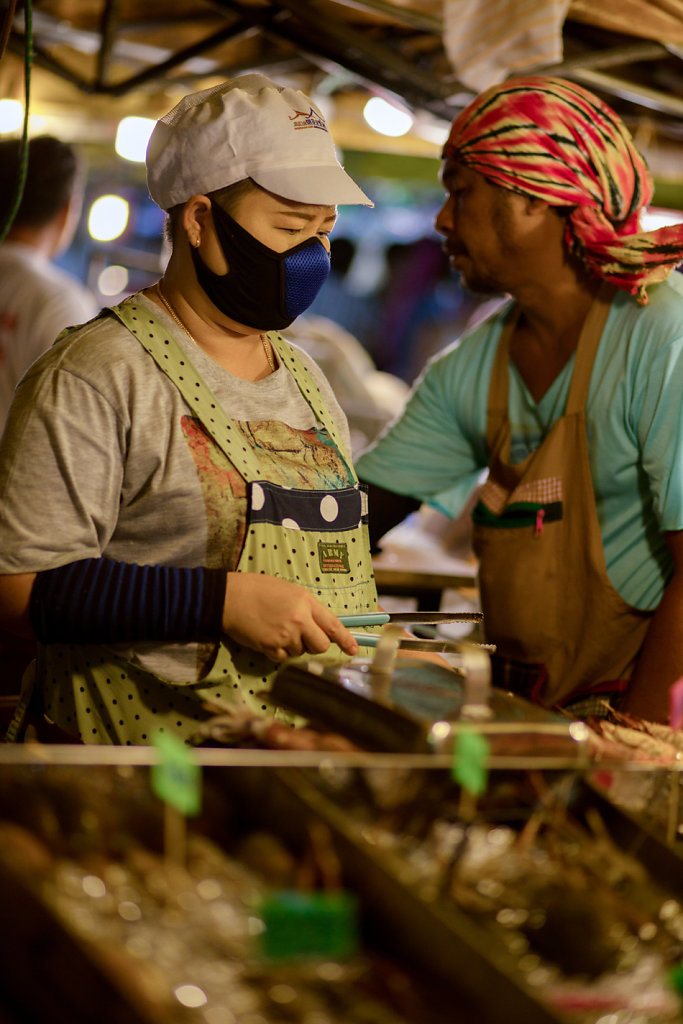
[309, 120]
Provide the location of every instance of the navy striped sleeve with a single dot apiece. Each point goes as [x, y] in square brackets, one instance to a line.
[98, 600]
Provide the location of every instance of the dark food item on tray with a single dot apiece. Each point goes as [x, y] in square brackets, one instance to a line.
[652, 798]
[519, 908]
[637, 738]
[231, 726]
[416, 708]
[105, 927]
[545, 891]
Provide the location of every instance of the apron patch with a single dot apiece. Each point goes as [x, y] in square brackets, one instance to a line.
[293, 508]
[333, 557]
[545, 491]
[518, 514]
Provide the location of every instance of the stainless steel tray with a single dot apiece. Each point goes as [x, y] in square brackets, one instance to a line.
[420, 708]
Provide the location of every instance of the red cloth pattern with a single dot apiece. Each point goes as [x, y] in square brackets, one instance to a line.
[552, 139]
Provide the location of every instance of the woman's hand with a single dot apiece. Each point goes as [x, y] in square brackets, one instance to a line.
[280, 619]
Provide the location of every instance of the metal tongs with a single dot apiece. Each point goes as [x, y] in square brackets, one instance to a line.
[405, 643]
[430, 618]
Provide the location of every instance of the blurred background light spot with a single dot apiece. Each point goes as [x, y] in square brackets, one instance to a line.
[112, 280]
[11, 116]
[108, 218]
[38, 124]
[387, 119]
[190, 995]
[652, 219]
[132, 136]
[437, 134]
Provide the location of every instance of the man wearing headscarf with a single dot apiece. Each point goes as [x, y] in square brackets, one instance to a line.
[567, 400]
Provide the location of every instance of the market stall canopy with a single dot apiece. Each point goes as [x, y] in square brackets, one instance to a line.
[432, 55]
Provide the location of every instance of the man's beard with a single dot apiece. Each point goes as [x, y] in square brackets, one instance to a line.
[480, 286]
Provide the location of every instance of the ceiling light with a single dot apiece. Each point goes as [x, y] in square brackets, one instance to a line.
[386, 118]
[132, 136]
[108, 218]
[11, 116]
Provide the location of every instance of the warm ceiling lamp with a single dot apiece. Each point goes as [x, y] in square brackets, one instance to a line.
[11, 116]
[108, 218]
[132, 136]
[386, 118]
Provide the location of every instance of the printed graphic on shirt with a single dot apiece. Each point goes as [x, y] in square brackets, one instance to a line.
[225, 498]
[301, 460]
[295, 459]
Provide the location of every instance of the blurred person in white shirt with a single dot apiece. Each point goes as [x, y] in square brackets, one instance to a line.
[37, 298]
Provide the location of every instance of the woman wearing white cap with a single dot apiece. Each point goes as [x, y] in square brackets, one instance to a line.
[179, 510]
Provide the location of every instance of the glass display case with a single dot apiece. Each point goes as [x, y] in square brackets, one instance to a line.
[322, 887]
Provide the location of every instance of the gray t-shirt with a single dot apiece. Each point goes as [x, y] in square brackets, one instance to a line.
[101, 457]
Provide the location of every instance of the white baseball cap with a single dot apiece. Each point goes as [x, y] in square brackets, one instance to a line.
[248, 127]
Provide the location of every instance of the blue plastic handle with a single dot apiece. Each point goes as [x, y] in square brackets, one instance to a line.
[367, 639]
[370, 619]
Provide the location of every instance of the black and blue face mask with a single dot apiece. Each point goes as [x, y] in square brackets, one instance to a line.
[263, 289]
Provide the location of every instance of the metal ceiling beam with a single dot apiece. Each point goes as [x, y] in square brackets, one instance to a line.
[404, 15]
[611, 57]
[47, 62]
[241, 28]
[42, 58]
[108, 28]
[367, 74]
[323, 42]
[305, 34]
[354, 49]
[631, 91]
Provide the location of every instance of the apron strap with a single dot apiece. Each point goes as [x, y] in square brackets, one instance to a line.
[175, 363]
[497, 408]
[587, 347]
[308, 386]
[589, 339]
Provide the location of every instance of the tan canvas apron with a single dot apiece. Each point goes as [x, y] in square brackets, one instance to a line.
[561, 629]
[107, 699]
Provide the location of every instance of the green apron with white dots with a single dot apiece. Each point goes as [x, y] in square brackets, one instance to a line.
[318, 539]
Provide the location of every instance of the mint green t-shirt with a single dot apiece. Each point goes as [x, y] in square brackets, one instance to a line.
[436, 450]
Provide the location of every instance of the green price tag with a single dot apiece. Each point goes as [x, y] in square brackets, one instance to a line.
[470, 761]
[309, 925]
[676, 978]
[177, 778]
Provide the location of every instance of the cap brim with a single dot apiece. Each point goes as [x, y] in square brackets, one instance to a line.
[323, 185]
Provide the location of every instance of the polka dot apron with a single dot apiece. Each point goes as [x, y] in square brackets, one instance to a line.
[315, 538]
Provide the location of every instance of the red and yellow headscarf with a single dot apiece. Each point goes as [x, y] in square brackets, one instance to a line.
[554, 140]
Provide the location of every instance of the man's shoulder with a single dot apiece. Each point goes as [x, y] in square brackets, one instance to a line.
[648, 328]
[665, 300]
[669, 294]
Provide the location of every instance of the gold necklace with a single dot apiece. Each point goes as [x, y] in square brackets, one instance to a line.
[269, 354]
[171, 311]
